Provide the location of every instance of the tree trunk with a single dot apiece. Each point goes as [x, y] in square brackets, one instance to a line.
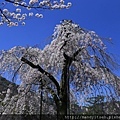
[64, 87]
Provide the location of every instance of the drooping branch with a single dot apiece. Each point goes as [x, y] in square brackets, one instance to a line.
[55, 97]
[76, 53]
[73, 56]
[42, 71]
[111, 75]
[16, 72]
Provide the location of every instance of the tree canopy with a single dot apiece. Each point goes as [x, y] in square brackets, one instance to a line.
[73, 67]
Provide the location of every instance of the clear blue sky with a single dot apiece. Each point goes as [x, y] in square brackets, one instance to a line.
[102, 16]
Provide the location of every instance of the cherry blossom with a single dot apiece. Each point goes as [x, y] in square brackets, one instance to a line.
[10, 16]
[75, 63]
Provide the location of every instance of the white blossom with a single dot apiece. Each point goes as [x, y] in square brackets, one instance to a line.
[18, 10]
[31, 14]
[30, 5]
[86, 72]
[33, 2]
[23, 23]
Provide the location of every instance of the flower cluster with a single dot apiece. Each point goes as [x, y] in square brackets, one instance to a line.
[24, 10]
[89, 73]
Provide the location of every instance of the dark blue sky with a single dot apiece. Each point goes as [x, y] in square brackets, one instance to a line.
[102, 16]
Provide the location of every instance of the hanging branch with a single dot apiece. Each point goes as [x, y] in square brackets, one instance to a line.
[44, 72]
[77, 52]
[55, 97]
[16, 72]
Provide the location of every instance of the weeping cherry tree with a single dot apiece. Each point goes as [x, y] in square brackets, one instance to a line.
[75, 66]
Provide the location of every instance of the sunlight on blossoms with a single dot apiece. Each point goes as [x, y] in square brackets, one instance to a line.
[10, 16]
[74, 63]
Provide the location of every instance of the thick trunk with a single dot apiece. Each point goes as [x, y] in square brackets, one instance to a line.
[64, 87]
[62, 97]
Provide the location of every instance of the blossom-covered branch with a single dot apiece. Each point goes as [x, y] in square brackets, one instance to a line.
[17, 17]
[75, 58]
[42, 71]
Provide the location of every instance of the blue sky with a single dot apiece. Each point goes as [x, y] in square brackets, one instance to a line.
[102, 16]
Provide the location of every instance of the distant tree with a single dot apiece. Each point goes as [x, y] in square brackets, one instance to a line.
[95, 105]
[99, 105]
[72, 68]
[112, 107]
[15, 12]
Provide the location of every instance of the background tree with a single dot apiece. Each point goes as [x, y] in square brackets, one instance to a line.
[73, 67]
[98, 105]
[15, 12]
[95, 105]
